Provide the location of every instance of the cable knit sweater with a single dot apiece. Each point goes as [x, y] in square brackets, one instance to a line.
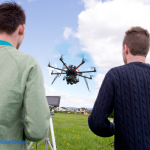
[126, 89]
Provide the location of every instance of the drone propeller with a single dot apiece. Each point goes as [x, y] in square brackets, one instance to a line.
[61, 57]
[48, 64]
[55, 78]
[93, 68]
[92, 75]
[86, 83]
[62, 53]
[82, 55]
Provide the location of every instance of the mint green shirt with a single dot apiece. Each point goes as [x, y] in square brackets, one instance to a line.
[24, 111]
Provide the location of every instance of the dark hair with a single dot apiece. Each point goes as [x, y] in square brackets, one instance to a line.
[11, 16]
[137, 39]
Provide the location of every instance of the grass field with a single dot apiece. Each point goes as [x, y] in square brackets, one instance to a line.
[72, 133]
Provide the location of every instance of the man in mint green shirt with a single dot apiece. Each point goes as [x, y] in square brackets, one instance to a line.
[24, 111]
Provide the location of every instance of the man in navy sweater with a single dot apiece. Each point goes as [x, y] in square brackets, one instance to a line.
[126, 89]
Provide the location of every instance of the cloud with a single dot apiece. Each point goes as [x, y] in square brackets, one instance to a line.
[68, 32]
[98, 79]
[68, 100]
[102, 26]
[144, 1]
[90, 3]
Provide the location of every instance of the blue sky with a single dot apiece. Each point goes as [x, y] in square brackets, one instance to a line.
[44, 40]
[45, 25]
[95, 27]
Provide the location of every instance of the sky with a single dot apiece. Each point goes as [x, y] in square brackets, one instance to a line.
[94, 28]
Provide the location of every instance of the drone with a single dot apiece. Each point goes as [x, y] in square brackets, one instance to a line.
[71, 73]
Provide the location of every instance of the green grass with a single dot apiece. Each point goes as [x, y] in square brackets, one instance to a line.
[72, 133]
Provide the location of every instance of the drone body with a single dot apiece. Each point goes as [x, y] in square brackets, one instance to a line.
[71, 73]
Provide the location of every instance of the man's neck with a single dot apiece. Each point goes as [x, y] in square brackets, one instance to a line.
[8, 38]
[136, 58]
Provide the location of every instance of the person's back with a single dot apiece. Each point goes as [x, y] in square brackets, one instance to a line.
[126, 89]
[24, 112]
[132, 106]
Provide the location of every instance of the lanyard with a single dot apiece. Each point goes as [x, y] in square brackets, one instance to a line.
[5, 43]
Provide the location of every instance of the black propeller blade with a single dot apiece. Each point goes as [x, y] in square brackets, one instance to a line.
[86, 83]
[55, 79]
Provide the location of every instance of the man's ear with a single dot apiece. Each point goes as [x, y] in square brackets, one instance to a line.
[22, 29]
[126, 49]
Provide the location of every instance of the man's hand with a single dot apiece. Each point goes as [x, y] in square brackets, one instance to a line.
[112, 121]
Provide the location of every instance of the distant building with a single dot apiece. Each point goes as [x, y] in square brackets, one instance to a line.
[72, 110]
[88, 112]
[83, 111]
[62, 109]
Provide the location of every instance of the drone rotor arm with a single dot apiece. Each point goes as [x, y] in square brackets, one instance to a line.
[64, 67]
[77, 67]
[84, 76]
[83, 61]
[86, 71]
[64, 63]
[56, 68]
[57, 73]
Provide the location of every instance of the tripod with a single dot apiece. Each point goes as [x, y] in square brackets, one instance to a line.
[52, 146]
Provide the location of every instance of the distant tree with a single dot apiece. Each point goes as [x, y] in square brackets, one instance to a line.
[55, 111]
[90, 112]
[66, 111]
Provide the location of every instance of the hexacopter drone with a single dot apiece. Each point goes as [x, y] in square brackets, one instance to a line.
[71, 73]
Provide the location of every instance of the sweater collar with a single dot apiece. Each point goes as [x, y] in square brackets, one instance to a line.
[140, 63]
